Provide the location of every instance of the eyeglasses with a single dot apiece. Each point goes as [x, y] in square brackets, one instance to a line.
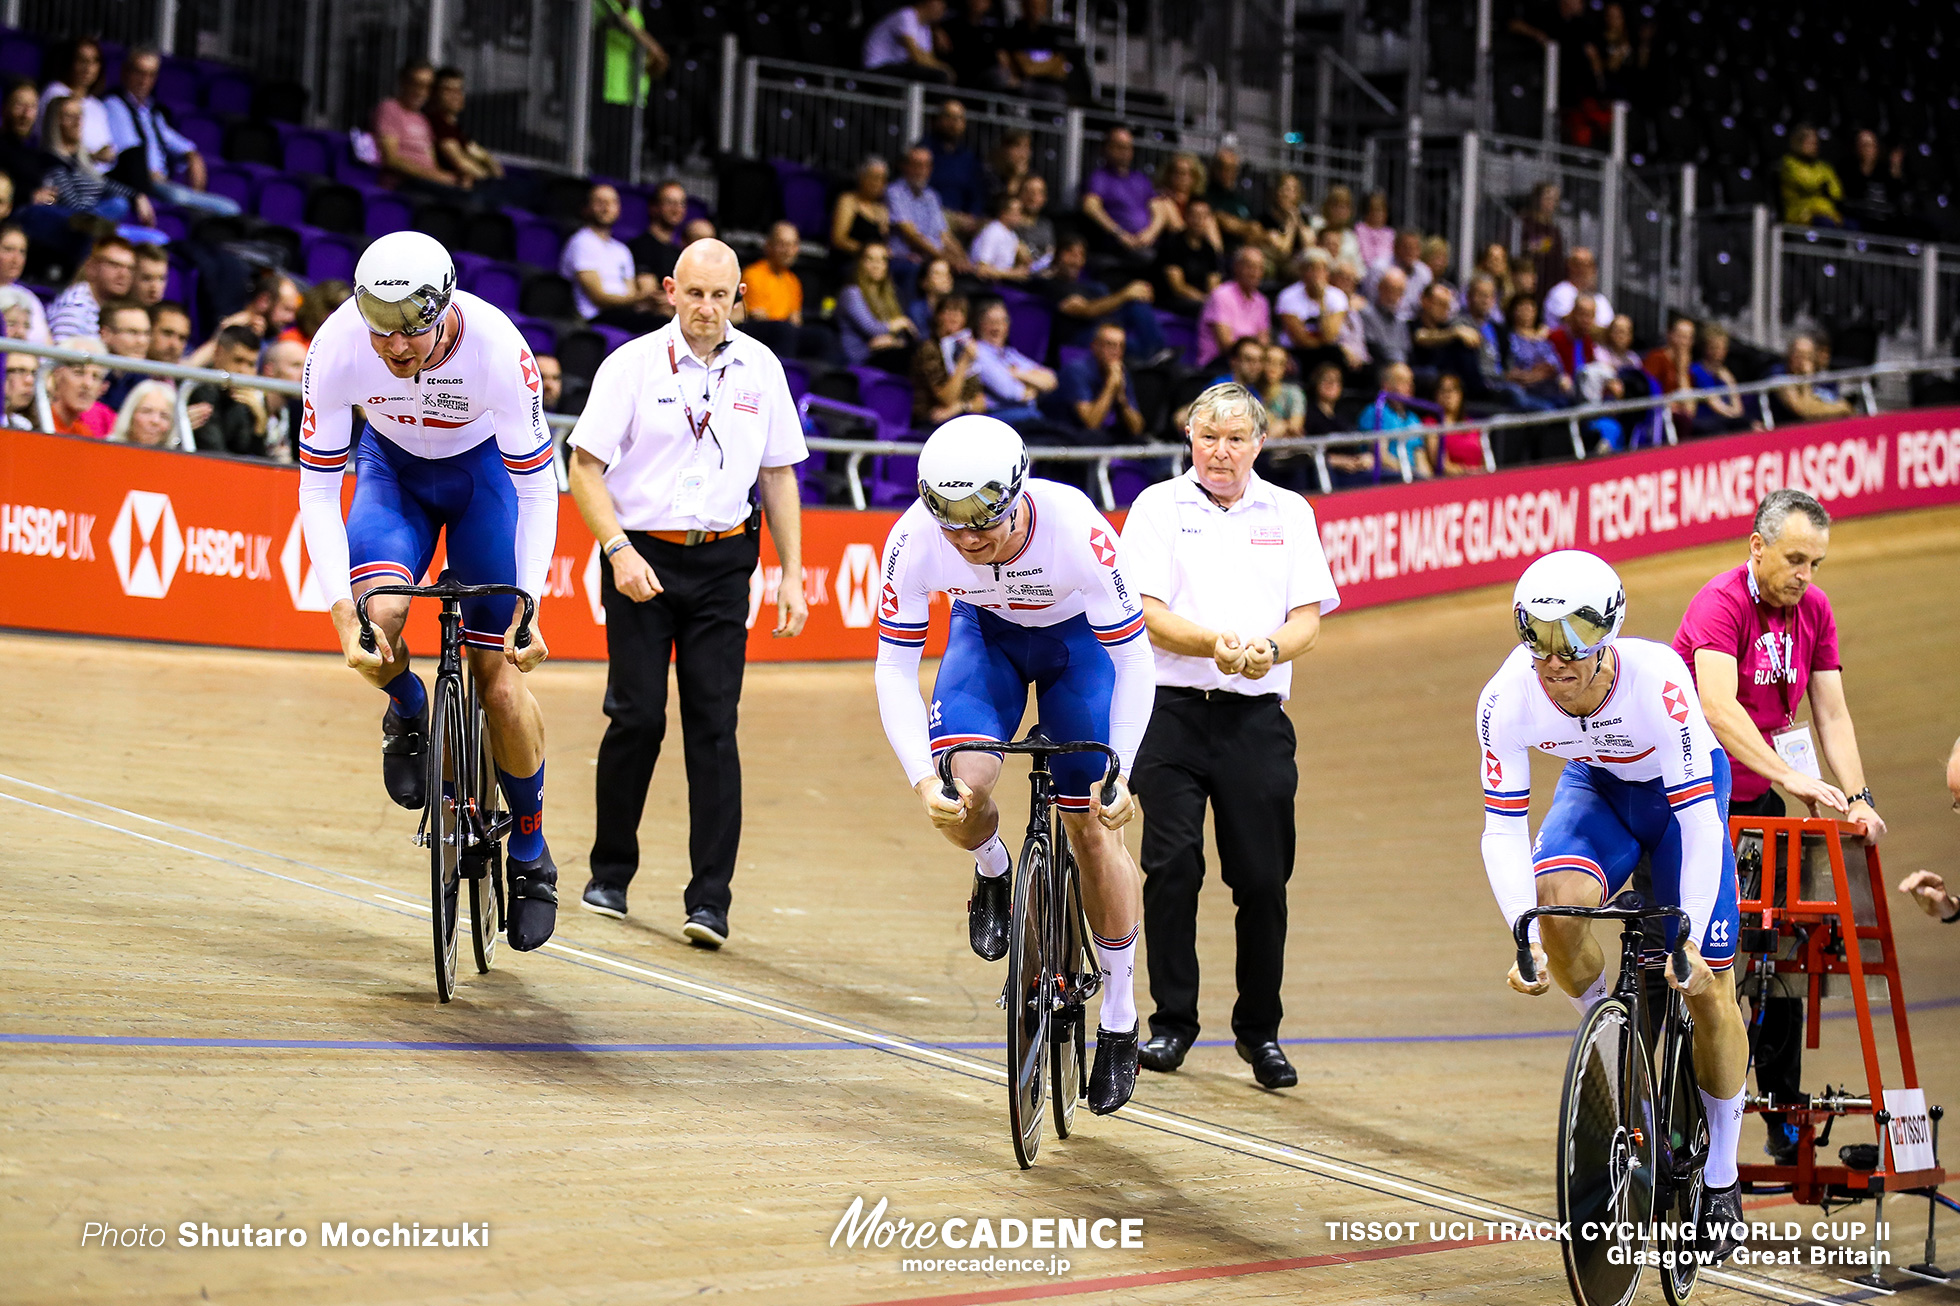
[415, 315]
[982, 510]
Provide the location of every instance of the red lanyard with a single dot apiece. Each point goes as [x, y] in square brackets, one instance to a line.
[1779, 647]
[697, 430]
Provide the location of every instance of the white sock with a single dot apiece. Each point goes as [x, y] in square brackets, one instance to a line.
[1724, 1133]
[991, 857]
[1584, 1002]
[1119, 963]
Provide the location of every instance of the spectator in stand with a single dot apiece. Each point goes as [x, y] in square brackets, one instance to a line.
[455, 150]
[1335, 223]
[21, 155]
[1245, 363]
[407, 143]
[125, 334]
[656, 249]
[1188, 261]
[1581, 278]
[315, 307]
[1345, 276]
[1348, 465]
[1615, 353]
[1875, 192]
[1079, 304]
[1037, 228]
[1011, 163]
[13, 262]
[1236, 308]
[1801, 402]
[773, 295]
[1671, 364]
[1488, 381]
[1286, 403]
[1394, 410]
[1495, 263]
[904, 44]
[1035, 52]
[1310, 314]
[1382, 325]
[1718, 414]
[147, 416]
[1121, 202]
[15, 313]
[237, 421]
[698, 229]
[152, 275]
[1282, 230]
[1808, 185]
[1226, 194]
[1531, 361]
[944, 380]
[1524, 281]
[978, 44]
[108, 274]
[1180, 182]
[1436, 257]
[935, 283]
[873, 329]
[958, 177]
[919, 221]
[1575, 340]
[861, 215]
[551, 383]
[1094, 397]
[604, 278]
[1416, 275]
[997, 253]
[1624, 59]
[79, 183]
[1374, 235]
[1581, 70]
[1580, 345]
[170, 332]
[285, 360]
[1455, 453]
[81, 80]
[73, 389]
[1541, 242]
[137, 122]
[1012, 382]
[21, 371]
[1821, 346]
[1439, 341]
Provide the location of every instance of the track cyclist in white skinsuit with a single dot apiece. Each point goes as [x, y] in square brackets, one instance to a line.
[1039, 599]
[1643, 775]
[454, 443]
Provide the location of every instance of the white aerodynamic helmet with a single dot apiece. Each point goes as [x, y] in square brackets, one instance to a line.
[1569, 604]
[403, 283]
[971, 471]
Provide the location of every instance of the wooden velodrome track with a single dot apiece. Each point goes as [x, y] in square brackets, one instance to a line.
[218, 1006]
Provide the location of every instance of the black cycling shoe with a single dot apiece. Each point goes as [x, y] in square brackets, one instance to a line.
[401, 758]
[988, 914]
[531, 911]
[1114, 1076]
[1718, 1221]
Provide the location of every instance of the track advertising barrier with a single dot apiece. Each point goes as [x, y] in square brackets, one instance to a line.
[105, 539]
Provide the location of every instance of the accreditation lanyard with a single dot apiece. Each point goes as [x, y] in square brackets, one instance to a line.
[701, 428]
[1782, 666]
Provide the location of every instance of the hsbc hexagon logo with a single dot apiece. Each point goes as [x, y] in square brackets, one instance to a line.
[146, 544]
[1676, 702]
[857, 574]
[302, 582]
[1100, 546]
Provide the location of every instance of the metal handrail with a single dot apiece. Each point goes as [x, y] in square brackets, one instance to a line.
[1360, 80]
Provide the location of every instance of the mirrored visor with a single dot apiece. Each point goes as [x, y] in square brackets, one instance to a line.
[1575, 635]
[413, 316]
[976, 512]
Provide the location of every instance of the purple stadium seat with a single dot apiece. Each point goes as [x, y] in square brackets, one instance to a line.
[538, 242]
[228, 94]
[632, 215]
[467, 266]
[1181, 334]
[20, 56]
[539, 334]
[1127, 479]
[805, 199]
[387, 212]
[309, 153]
[888, 396]
[171, 221]
[177, 85]
[1028, 323]
[329, 257]
[498, 283]
[1069, 354]
[232, 183]
[350, 170]
[205, 133]
[112, 62]
[181, 283]
[798, 375]
[612, 335]
[282, 200]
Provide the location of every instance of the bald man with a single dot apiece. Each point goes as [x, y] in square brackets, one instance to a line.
[688, 439]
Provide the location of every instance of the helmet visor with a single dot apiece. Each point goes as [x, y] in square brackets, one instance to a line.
[975, 512]
[1573, 636]
[413, 316]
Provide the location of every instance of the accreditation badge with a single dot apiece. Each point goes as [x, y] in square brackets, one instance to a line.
[691, 494]
[1797, 749]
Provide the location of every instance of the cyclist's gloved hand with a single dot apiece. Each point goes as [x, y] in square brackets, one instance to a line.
[1539, 968]
[1117, 814]
[524, 659]
[1229, 652]
[1699, 976]
[941, 810]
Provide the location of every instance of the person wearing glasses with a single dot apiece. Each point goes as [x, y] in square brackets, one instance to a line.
[1644, 775]
[688, 439]
[454, 442]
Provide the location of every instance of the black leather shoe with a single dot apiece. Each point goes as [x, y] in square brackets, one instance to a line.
[1269, 1064]
[1163, 1052]
[989, 913]
[604, 900]
[1114, 1076]
[401, 758]
[1720, 1215]
[706, 928]
[531, 912]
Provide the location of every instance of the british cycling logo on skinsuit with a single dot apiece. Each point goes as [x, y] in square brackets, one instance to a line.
[1100, 546]
[146, 544]
[1676, 703]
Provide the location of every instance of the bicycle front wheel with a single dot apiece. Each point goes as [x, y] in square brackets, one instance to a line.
[1066, 1036]
[1608, 1140]
[1684, 1143]
[443, 828]
[1029, 999]
[487, 872]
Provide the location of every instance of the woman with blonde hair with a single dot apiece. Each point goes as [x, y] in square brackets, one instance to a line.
[874, 329]
[148, 416]
[1179, 181]
[1336, 216]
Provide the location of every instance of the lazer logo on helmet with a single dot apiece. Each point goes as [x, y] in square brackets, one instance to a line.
[957, 485]
[391, 283]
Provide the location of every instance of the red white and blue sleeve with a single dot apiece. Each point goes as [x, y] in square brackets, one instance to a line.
[904, 610]
[326, 431]
[1505, 762]
[525, 443]
[1688, 772]
[1115, 613]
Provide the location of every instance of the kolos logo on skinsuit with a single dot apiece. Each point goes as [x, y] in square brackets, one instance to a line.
[857, 573]
[146, 544]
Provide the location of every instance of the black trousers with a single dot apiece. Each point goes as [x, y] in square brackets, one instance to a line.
[1237, 753]
[699, 620]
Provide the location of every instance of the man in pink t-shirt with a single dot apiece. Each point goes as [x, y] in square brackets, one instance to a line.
[1235, 309]
[1757, 638]
[402, 133]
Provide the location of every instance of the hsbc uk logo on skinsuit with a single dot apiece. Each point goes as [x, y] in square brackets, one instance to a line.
[146, 544]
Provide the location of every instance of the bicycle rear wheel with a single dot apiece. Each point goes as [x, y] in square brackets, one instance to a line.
[1029, 999]
[445, 777]
[486, 871]
[1607, 1144]
[1685, 1140]
[1066, 1037]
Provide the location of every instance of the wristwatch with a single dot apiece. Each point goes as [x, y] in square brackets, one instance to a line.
[1863, 796]
[1274, 645]
[1948, 920]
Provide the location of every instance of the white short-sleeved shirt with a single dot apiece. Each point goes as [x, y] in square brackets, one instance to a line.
[996, 246]
[647, 401]
[882, 46]
[1241, 569]
[1560, 298]
[1293, 301]
[588, 251]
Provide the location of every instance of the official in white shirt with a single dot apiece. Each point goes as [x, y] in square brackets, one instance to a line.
[689, 437]
[1234, 585]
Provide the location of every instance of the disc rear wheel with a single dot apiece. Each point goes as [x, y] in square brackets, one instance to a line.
[1608, 1142]
[1028, 1001]
[444, 828]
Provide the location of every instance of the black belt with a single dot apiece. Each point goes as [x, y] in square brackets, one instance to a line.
[1212, 695]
